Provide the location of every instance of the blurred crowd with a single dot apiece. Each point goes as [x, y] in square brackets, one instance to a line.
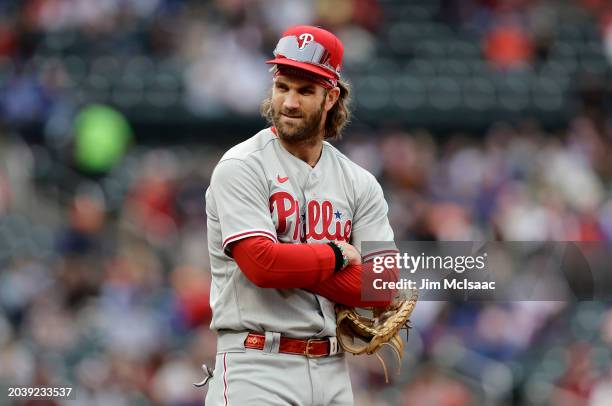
[104, 280]
[521, 33]
[55, 54]
[515, 184]
[219, 47]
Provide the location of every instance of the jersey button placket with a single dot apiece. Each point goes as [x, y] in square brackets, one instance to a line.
[311, 185]
[309, 192]
[314, 177]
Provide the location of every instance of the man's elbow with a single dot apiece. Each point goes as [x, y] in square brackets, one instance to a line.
[379, 302]
[387, 300]
[382, 298]
[354, 298]
[380, 288]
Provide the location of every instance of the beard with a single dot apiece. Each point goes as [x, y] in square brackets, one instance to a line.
[295, 132]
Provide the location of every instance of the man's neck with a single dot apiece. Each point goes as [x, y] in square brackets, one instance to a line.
[308, 151]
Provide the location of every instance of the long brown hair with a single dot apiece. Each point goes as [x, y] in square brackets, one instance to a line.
[337, 117]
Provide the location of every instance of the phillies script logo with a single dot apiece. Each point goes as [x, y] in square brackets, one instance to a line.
[333, 226]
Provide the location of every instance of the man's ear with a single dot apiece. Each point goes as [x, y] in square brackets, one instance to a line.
[332, 98]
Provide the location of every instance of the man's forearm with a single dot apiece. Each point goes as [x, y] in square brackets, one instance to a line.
[275, 265]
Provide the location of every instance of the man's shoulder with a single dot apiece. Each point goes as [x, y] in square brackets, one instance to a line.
[249, 147]
[350, 168]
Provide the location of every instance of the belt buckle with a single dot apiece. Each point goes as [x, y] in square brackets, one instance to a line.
[307, 352]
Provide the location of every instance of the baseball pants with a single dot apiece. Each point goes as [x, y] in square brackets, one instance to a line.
[255, 377]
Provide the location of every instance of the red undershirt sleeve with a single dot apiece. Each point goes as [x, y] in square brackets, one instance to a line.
[345, 287]
[275, 265]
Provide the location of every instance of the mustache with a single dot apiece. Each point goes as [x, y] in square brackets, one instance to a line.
[292, 113]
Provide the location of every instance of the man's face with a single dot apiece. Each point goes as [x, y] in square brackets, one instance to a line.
[298, 108]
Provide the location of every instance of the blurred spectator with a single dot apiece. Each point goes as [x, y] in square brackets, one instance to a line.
[192, 289]
[606, 22]
[150, 204]
[433, 387]
[577, 382]
[508, 45]
[24, 99]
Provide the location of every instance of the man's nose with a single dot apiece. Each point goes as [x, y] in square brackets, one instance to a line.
[291, 101]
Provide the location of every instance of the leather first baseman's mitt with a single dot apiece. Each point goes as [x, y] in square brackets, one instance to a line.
[358, 334]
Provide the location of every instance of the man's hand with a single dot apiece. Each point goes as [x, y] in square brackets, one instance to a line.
[354, 257]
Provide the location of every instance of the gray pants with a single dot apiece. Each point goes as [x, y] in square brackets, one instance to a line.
[250, 377]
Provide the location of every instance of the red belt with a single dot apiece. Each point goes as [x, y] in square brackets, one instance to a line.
[311, 348]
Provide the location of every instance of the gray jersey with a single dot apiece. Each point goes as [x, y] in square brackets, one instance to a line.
[260, 189]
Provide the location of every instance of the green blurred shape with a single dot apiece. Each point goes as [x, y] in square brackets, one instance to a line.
[102, 135]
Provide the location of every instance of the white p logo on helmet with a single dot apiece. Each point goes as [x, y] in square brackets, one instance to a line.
[305, 39]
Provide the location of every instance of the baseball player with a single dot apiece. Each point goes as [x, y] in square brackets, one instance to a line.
[287, 214]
